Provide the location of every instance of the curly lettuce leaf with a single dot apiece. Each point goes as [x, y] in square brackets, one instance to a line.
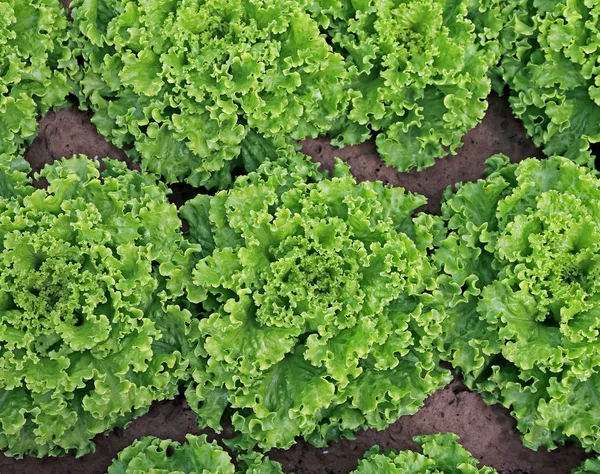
[190, 84]
[519, 277]
[418, 72]
[256, 463]
[34, 60]
[441, 453]
[197, 455]
[14, 177]
[590, 466]
[549, 62]
[313, 290]
[159, 456]
[90, 330]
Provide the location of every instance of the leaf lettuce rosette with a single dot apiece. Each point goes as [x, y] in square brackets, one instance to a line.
[34, 60]
[90, 334]
[313, 291]
[590, 466]
[197, 455]
[441, 453]
[418, 72]
[520, 275]
[550, 64]
[186, 82]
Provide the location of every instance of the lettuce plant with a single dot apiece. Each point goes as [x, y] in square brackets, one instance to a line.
[441, 454]
[185, 82]
[158, 456]
[520, 273]
[313, 293]
[89, 333]
[418, 72]
[34, 58]
[550, 63]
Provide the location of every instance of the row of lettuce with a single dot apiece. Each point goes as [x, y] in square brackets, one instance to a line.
[297, 304]
[189, 86]
[441, 453]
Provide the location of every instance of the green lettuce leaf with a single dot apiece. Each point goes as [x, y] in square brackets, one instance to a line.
[550, 61]
[197, 455]
[313, 291]
[256, 463]
[520, 273]
[14, 178]
[441, 454]
[590, 466]
[34, 60]
[158, 456]
[90, 329]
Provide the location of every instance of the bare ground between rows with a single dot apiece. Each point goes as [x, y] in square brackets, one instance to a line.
[487, 431]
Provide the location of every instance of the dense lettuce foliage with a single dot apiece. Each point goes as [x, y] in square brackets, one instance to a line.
[590, 466]
[441, 454]
[89, 335]
[14, 180]
[521, 278]
[418, 72]
[551, 54]
[34, 58]
[313, 290]
[156, 456]
[185, 82]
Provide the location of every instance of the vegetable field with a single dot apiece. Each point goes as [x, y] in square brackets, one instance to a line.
[297, 236]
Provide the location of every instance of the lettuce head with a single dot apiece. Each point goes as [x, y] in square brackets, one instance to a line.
[590, 466]
[187, 82]
[90, 334]
[417, 72]
[520, 275]
[551, 51]
[197, 455]
[313, 291]
[441, 453]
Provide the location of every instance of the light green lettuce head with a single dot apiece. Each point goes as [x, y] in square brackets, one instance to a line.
[156, 456]
[550, 60]
[189, 82]
[418, 72]
[520, 274]
[89, 333]
[34, 58]
[441, 454]
[313, 292]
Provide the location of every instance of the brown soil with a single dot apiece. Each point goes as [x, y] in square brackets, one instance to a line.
[487, 431]
[67, 133]
[499, 132]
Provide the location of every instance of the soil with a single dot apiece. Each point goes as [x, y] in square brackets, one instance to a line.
[488, 432]
[499, 132]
